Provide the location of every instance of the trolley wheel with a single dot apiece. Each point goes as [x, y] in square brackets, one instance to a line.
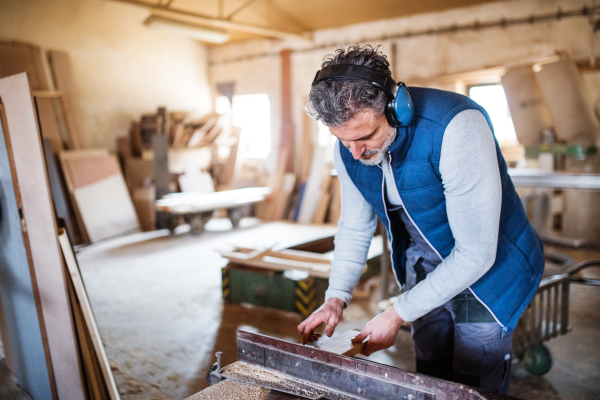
[172, 222]
[538, 360]
[235, 215]
[197, 225]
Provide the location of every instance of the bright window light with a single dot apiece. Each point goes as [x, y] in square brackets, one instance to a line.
[222, 105]
[252, 113]
[493, 99]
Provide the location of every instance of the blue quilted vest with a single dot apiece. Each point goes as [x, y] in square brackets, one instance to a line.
[510, 284]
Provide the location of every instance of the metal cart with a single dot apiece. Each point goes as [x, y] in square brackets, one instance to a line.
[546, 317]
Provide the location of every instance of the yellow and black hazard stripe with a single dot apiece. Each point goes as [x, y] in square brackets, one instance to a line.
[305, 299]
[226, 284]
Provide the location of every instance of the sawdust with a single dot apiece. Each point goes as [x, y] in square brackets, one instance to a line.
[231, 390]
[255, 375]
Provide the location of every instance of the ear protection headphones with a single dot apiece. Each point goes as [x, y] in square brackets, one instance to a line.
[399, 108]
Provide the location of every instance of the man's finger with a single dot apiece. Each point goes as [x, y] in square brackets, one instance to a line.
[331, 324]
[361, 336]
[369, 349]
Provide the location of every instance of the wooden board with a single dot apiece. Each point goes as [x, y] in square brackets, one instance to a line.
[19, 301]
[106, 208]
[138, 173]
[282, 260]
[84, 167]
[40, 237]
[16, 57]
[313, 190]
[342, 344]
[335, 209]
[60, 64]
[60, 197]
[50, 126]
[88, 315]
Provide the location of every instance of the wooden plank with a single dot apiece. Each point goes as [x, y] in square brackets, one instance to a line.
[199, 134]
[17, 57]
[138, 173]
[65, 115]
[281, 261]
[40, 233]
[313, 190]
[135, 137]
[61, 200]
[106, 208]
[50, 126]
[287, 125]
[88, 314]
[95, 389]
[335, 209]
[342, 344]
[307, 150]
[60, 64]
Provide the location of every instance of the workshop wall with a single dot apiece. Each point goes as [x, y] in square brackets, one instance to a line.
[417, 58]
[121, 68]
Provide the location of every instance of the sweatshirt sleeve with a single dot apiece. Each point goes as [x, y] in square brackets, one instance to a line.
[353, 238]
[473, 191]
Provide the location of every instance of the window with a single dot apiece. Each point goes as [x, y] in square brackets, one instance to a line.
[252, 113]
[493, 99]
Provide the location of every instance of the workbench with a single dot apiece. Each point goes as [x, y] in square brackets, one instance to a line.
[196, 208]
[270, 368]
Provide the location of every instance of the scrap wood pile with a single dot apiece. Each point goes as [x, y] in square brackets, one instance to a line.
[311, 194]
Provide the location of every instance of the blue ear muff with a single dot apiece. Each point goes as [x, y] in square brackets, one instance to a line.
[399, 110]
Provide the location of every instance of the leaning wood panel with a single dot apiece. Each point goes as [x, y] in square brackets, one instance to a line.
[88, 315]
[40, 236]
[20, 305]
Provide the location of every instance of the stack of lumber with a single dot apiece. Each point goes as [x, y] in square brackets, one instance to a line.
[47, 327]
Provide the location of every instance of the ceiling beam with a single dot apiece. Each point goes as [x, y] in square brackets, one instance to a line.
[240, 8]
[186, 16]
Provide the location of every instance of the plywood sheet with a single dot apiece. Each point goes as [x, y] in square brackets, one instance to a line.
[88, 166]
[39, 220]
[106, 208]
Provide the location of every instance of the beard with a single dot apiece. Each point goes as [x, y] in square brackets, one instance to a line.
[380, 153]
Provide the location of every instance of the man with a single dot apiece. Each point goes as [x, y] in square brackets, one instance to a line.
[462, 248]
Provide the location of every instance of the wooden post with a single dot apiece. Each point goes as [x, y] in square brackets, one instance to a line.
[287, 127]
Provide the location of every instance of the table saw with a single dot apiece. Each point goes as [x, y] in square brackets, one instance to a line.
[270, 368]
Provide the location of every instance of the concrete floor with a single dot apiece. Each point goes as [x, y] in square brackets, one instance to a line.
[157, 301]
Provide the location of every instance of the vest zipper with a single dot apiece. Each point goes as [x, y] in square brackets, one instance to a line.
[390, 227]
[429, 243]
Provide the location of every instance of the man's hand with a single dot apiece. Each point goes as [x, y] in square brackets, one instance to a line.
[329, 313]
[383, 330]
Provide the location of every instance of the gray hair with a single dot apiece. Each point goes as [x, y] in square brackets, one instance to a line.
[335, 102]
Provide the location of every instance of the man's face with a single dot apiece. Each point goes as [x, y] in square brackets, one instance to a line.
[367, 136]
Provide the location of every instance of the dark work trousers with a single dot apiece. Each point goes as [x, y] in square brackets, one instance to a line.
[461, 341]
